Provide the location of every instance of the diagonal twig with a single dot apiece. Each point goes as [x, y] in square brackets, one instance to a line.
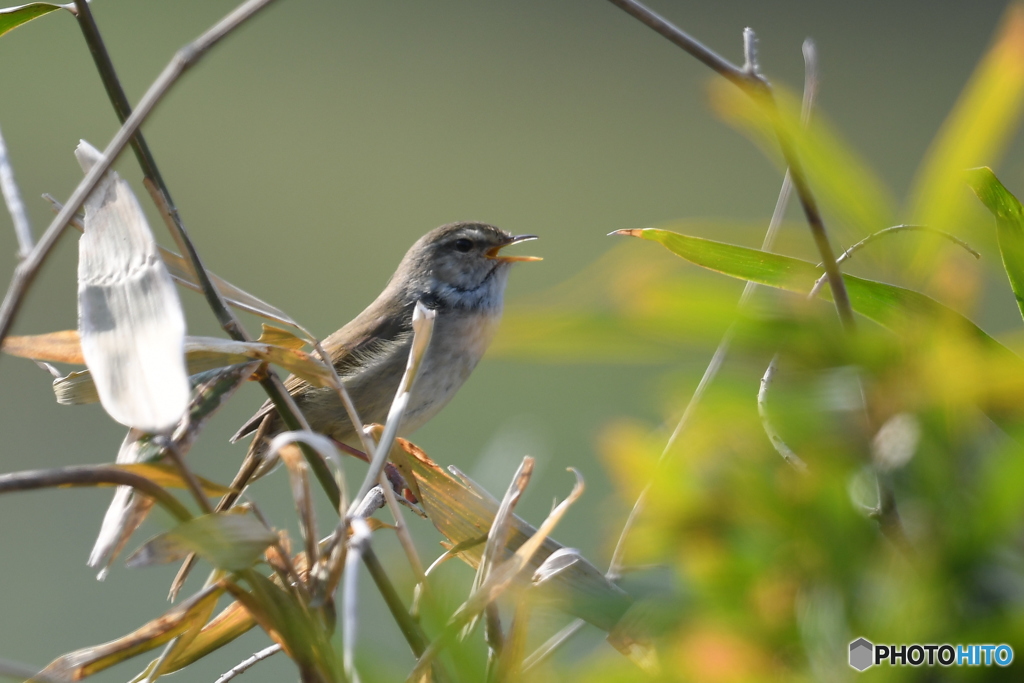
[756, 85]
[248, 663]
[92, 475]
[187, 56]
[27, 270]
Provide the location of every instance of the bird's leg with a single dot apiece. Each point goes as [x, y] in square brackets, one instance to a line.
[398, 484]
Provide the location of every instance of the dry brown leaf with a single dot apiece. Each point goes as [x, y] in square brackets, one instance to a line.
[77, 665]
[56, 347]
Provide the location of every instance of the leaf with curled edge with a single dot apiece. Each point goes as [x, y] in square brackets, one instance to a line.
[130, 320]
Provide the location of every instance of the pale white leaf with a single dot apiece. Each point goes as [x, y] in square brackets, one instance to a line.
[129, 317]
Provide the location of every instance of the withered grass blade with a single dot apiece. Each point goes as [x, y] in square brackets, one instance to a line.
[497, 536]
[57, 347]
[464, 512]
[233, 621]
[77, 665]
[423, 330]
[298, 477]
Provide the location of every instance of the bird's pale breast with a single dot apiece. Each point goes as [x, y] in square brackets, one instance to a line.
[459, 341]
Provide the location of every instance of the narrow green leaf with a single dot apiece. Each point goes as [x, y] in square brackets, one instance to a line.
[1009, 225]
[229, 541]
[13, 17]
[888, 305]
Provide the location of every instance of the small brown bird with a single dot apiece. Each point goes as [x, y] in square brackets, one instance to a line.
[455, 270]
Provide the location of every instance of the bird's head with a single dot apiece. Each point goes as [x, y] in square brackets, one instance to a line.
[461, 265]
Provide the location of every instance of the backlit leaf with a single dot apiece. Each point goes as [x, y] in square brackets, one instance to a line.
[13, 17]
[888, 305]
[1009, 224]
[129, 317]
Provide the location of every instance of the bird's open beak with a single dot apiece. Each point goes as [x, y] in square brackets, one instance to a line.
[493, 252]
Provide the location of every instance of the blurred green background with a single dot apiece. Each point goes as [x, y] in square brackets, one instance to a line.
[315, 145]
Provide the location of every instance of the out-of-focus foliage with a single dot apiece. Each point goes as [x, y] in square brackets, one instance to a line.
[907, 526]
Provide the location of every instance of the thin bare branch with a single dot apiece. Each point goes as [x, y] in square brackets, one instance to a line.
[92, 475]
[248, 663]
[12, 196]
[194, 487]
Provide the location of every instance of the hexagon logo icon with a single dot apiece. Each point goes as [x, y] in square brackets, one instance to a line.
[861, 654]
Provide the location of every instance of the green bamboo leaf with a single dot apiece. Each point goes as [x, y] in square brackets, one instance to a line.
[888, 305]
[229, 540]
[13, 17]
[1009, 225]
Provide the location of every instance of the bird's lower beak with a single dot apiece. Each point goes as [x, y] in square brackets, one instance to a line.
[493, 253]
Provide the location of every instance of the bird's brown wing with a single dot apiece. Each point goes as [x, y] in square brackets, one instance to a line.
[372, 331]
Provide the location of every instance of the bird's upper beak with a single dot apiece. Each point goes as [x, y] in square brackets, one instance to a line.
[493, 252]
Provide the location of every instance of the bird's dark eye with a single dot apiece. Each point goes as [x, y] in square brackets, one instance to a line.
[463, 245]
